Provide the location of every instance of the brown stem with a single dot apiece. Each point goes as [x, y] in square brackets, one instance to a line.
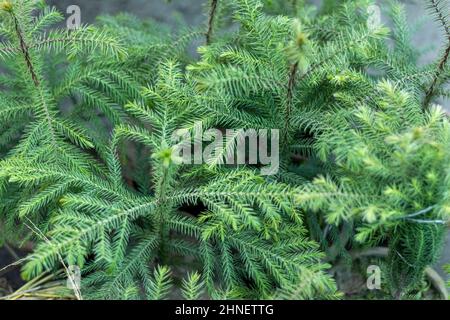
[26, 54]
[211, 17]
[440, 69]
[25, 51]
[440, 16]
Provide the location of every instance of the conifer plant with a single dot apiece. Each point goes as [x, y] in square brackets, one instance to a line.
[89, 171]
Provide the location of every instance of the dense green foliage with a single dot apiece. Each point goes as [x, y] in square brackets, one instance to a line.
[87, 164]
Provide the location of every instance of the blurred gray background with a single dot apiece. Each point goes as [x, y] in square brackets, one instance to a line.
[428, 36]
[193, 12]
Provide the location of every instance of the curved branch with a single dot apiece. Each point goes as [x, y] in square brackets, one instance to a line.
[211, 17]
